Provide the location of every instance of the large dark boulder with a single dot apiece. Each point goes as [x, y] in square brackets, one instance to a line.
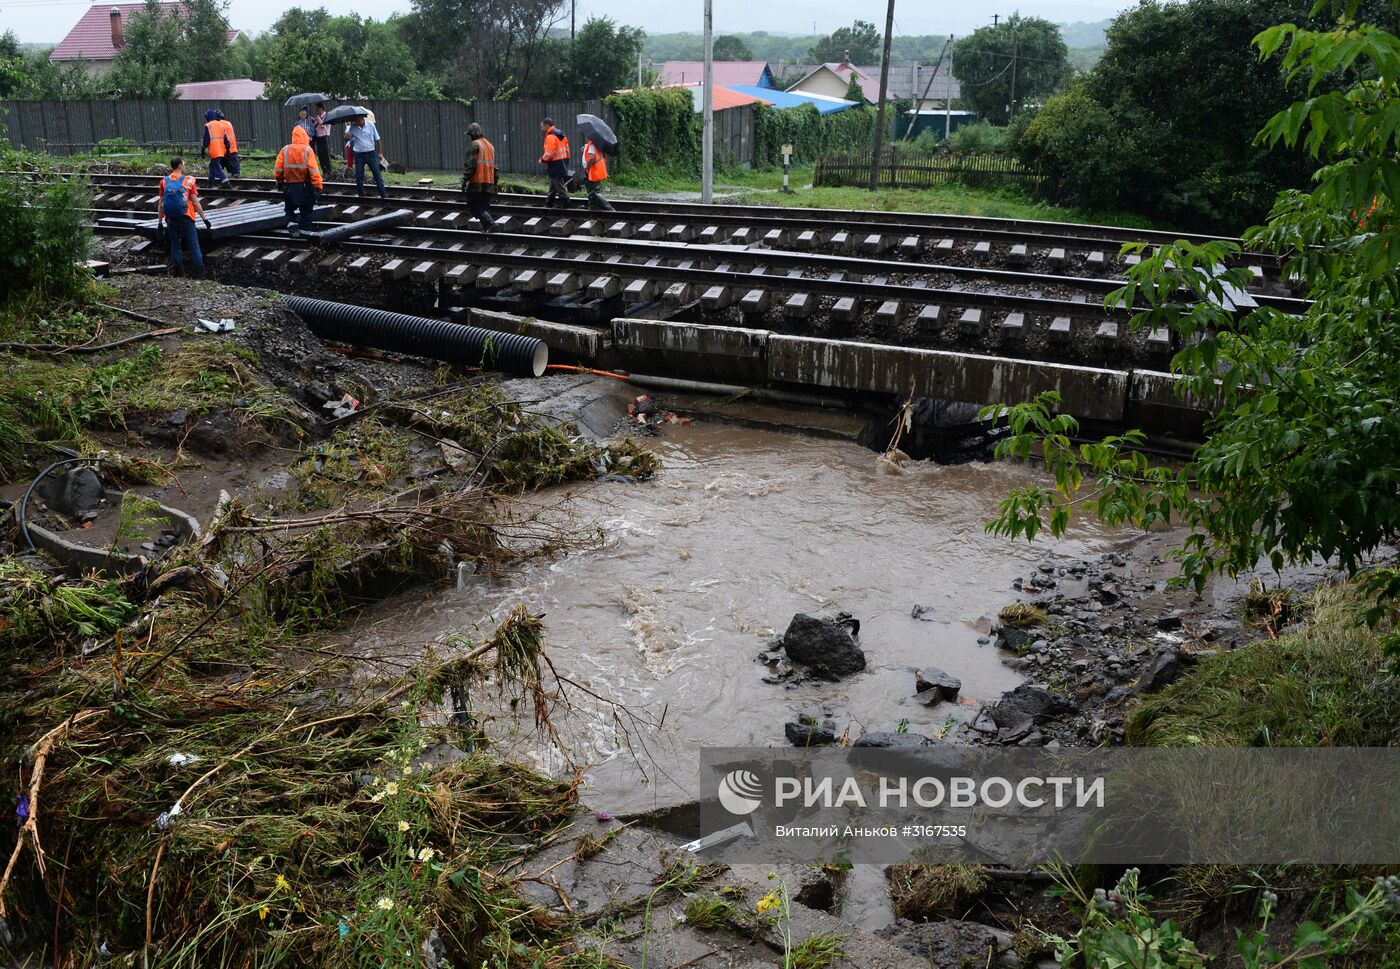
[74, 492]
[933, 685]
[1026, 706]
[823, 645]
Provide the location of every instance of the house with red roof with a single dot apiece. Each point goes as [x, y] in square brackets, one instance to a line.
[101, 31]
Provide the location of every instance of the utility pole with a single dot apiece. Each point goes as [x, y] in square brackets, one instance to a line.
[573, 11]
[1015, 41]
[884, 96]
[639, 70]
[707, 141]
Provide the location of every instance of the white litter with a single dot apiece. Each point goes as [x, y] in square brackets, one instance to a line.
[180, 760]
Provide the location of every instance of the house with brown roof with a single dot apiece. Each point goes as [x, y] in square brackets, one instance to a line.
[101, 31]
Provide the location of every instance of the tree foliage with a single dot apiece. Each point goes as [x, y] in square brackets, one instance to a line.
[729, 47]
[862, 41]
[165, 47]
[1024, 55]
[45, 234]
[602, 59]
[1302, 459]
[312, 50]
[483, 48]
[1185, 95]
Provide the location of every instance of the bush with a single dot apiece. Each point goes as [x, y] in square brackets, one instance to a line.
[658, 127]
[810, 133]
[45, 238]
[979, 137]
[1078, 145]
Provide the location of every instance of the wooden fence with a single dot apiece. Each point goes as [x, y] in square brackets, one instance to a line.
[420, 135]
[903, 168]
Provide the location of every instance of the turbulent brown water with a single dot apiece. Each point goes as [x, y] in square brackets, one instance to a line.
[709, 561]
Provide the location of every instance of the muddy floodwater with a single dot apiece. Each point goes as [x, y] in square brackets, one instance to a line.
[708, 562]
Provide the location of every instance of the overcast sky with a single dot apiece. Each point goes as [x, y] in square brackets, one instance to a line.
[46, 21]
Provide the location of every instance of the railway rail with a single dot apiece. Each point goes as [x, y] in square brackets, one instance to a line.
[779, 269]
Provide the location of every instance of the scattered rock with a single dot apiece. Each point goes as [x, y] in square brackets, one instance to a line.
[824, 646]
[807, 732]
[949, 944]
[79, 490]
[1027, 705]
[923, 612]
[983, 723]
[937, 683]
[1164, 668]
[178, 418]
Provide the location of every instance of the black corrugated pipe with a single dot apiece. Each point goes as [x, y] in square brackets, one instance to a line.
[469, 346]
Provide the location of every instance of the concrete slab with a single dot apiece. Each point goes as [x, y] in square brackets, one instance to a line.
[1087, 392]
[720, 353]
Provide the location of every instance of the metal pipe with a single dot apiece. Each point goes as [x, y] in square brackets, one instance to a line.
[681, 385]
[416, 335]
[347, 230]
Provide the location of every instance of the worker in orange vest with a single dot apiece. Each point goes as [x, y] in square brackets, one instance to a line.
[177, 206]
[231, 161]
[556, 162]
[298, 174]
[222, 146]
[595, 173]
[479, 176]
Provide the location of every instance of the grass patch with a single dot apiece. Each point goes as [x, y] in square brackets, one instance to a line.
[361, 461]
[1020, 615]
[923, 892]
[817, 952]
[1329, 684]
[709, 912]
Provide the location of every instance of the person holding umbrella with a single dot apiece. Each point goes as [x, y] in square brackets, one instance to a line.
[305, 123]
[363, 139]
[599, 141]
[322, 141]
[556, 162]
[479, 176]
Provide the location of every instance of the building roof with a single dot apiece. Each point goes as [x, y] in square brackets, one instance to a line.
[91, 36]
[725, 73]
[724, 97]
[794, 99]
[907, 81]
[237, 89]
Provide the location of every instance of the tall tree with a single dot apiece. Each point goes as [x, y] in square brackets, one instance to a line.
[1175, 102]
[151, 62]
[1300, 462]
[728, 47]
[205, 54]
[1021, 57]
[602, 59]
[312, 50]
[482, 48]
[862, 41]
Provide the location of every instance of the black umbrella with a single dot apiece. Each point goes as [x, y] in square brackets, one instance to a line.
[345, 112]
[307, 100]
[598, 132]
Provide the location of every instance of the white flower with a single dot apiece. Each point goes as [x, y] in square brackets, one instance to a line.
[426, 854]
[403, 825]
[391, 788]
[384, 904]
[407, 769]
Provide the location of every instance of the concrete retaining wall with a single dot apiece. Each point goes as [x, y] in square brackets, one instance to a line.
[719, 353]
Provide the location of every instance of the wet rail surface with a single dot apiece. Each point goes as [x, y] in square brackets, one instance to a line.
[708, 562]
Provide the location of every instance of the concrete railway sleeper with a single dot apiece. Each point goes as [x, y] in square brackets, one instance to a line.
[1094, 288]
[1075, 247]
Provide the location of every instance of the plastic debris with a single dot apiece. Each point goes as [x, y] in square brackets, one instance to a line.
[180, 760]
[222, 325]
[344, 407]
[167, 818]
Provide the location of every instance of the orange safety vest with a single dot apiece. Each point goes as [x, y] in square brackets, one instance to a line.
[191, 190]
[296, 163]
[216, 137]
[227, 127]
[556, 147]
[594, 163]
[484, 173]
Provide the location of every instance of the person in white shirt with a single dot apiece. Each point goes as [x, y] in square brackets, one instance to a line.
[363, 138]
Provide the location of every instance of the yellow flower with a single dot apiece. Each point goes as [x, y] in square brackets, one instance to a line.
[282, 885]
[262, 912]
[767, 903]
[391, 788]
[403, 825]
[426, 854]
[384, 904]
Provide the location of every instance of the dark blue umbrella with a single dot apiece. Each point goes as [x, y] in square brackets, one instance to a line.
[598, 132]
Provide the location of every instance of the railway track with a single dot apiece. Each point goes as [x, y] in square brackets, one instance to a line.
[991, 285]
